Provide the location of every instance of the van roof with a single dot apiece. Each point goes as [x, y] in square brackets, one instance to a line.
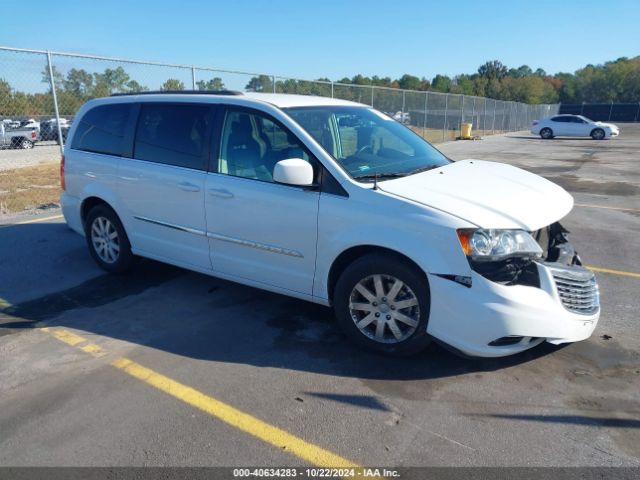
[281, 100]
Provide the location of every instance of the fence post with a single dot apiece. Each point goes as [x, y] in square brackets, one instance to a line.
[331, 88]
[473, 112]
[403, 104]
[484, 118]
[424, 124]
[461, 114]
[610, 110]
[372, 96]
[273, 79]
[493, 124]
[193, 77]
[638, 112]
[446, 107]
[582, 108]
[55, 102]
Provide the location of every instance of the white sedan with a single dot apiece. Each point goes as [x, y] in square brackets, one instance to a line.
[573, 126]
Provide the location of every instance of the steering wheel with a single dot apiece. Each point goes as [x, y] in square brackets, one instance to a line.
[364, 149]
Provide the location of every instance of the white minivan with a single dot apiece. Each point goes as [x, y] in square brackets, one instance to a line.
[332, 202]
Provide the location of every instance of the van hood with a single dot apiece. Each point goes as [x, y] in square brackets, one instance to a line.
[487, 194]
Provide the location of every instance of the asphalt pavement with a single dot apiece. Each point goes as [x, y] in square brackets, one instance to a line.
[166, 367]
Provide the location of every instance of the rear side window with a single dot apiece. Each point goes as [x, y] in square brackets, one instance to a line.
[561, 119]
[102, 129]
[173, 134]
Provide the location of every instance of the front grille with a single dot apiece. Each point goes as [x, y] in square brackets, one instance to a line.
[577, 288]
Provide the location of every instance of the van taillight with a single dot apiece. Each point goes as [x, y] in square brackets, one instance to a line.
[62, 184]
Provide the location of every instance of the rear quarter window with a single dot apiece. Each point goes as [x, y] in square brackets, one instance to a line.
[102, 129]
[173, 134]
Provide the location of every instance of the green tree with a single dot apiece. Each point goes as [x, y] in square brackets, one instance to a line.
[58, 78]
[522, 71]
[78, 81]
[463, 84]
[261, 83]
[172, 84]
[111, 81]
[493, 70]
[410, 82]
[441, 83]
[215, 83]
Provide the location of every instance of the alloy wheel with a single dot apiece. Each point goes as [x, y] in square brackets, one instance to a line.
[384, 308]
[105, 240]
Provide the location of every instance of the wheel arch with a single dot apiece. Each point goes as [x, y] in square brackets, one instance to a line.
[351, 254]
[91, 202]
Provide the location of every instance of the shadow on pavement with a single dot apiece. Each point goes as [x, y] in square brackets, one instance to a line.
[201, 317]
[610, 422]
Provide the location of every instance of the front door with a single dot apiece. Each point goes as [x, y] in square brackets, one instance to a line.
[259, 231]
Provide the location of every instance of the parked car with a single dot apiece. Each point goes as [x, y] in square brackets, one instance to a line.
[18, 137]
[573, 126]
[49, 129]
[264, 190]
[402, 117]
[8, 123]
[30, 123]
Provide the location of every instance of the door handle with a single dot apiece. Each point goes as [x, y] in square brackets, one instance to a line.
[220, 192]
[189, 187]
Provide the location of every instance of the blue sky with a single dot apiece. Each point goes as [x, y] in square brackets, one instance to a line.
[328, 38]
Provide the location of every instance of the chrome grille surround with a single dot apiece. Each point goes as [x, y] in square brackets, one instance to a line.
[576, 287]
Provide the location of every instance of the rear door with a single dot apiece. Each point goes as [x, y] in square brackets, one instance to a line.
[162, 186]
[260, 232]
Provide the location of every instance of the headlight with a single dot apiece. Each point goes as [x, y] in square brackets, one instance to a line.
[491, 245]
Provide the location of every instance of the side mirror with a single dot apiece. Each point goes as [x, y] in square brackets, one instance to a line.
[293, 171]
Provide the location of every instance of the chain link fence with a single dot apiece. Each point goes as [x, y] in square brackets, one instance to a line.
[604, 112]
[43, 91]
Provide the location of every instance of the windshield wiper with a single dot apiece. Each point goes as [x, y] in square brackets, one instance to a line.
[380, 176]
[423, 169]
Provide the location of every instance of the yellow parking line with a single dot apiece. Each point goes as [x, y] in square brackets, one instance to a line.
[34, 220]
[65, 336]
[93, 349]
[613, 272]
[236, 418]
[622, 209]
[224, 412]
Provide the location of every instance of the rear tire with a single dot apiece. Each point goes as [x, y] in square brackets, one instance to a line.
[26, 144]
[546, 133]
[107, 240]
[382, 303]
[597, 134]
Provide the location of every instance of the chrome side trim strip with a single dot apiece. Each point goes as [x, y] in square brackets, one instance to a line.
[224, 238]
[259, 246]
[172, 225]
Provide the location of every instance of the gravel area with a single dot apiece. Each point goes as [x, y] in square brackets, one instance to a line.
[42, 152]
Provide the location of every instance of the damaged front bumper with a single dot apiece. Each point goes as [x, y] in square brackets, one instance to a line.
[554, 300]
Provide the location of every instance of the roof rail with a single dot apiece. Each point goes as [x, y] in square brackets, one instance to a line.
[186, 92]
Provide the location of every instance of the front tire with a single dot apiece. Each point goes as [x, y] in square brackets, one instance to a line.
[546, 133]
[382, 303]
[107, 240]
[597, 134]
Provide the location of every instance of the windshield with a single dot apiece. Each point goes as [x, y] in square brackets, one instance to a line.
[366, 142]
